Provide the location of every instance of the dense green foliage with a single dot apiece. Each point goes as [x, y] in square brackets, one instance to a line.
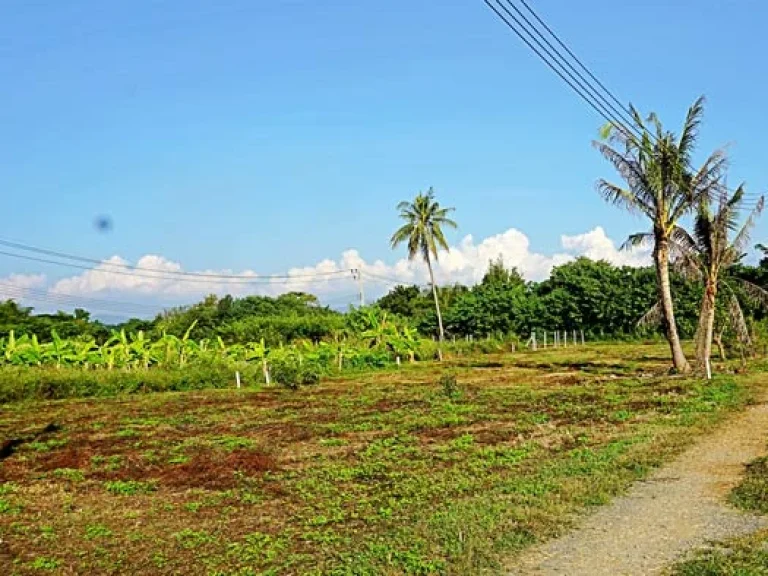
[594, 296]
[603, 300]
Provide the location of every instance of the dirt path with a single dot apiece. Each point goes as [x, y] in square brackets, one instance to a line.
[680, 507]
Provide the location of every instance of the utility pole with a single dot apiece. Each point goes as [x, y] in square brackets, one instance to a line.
[356, 275]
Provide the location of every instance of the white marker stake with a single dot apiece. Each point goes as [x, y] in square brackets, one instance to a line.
[709, 370]
[237, 377]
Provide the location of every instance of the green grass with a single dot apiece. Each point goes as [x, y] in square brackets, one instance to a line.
[392, 472]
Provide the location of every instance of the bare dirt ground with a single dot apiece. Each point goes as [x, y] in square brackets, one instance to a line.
[679, 508]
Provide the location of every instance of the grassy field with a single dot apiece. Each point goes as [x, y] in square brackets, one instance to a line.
[744, 556]
[407, 472]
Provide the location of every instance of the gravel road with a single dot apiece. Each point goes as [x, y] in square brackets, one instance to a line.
[680, 507]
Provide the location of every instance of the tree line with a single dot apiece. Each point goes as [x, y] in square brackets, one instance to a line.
[663, 185]
[603, 300]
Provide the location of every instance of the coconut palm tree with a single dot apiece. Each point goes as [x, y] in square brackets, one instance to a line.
[423, 232]
[663, 186]
[708, 254]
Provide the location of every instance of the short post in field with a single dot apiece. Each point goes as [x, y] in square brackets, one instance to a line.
[237, 379]
[265, 368]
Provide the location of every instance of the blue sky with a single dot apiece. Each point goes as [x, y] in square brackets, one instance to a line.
[267, 135]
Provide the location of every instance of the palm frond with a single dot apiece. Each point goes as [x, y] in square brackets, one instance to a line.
[623, 199]
[638, 240]
[737, 321]
[690, 132]
[685, 254]
[701, 187]
[652, 317]
[629, 166]
[401, 235]
[754, 292]
[739, 243]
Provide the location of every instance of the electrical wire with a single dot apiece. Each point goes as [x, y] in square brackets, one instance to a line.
[161, 275]
[13, 292]
[566, 66]
[595, 106]
[619, 124]
[576, 58]
[47, 252]
[382, 279]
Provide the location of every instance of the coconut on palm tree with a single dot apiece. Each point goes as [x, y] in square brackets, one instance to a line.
[708, 253]
[663, 186]
[423, 233]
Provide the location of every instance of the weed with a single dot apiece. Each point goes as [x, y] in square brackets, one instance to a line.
[44, 563]
[232, 443]
[332, 442]
[47, 445]
[94, 531]
[71, 474]
[129, 487]
[752, 493]
[191, 539]
[449, 386]
[193, 507]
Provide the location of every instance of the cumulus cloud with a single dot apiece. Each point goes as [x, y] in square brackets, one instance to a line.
[165, 282]
[20, 286]
[598, 246]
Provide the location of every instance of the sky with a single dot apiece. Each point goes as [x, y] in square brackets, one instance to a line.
[270, 137]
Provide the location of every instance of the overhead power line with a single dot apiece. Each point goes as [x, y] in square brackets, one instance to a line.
[14, 292]
[383, 279]
[212, 276]
[565, 75]
[576, 59]
[149, 273]
[591, 90]
[621, 114]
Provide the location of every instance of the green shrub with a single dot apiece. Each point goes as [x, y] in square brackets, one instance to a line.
[450, 386]
[35, 383]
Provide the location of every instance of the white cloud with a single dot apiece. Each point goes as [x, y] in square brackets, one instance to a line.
[19, 286]
[597, 246]
[466, 263]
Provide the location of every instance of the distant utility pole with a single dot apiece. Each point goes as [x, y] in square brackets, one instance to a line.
[356, 275]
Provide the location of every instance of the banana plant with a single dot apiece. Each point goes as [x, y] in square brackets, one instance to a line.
[187, 346]
[58, 348]
[258, 351]
[141, 349]
[405, 343]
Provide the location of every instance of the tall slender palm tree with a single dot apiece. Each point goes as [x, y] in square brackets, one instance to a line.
[708, 254]
[423, 233]
[663, 186]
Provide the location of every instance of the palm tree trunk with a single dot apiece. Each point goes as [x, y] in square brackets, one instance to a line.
[706, 328]
[719, 341]
[705, 331]
[437, 305]
[661, 261]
